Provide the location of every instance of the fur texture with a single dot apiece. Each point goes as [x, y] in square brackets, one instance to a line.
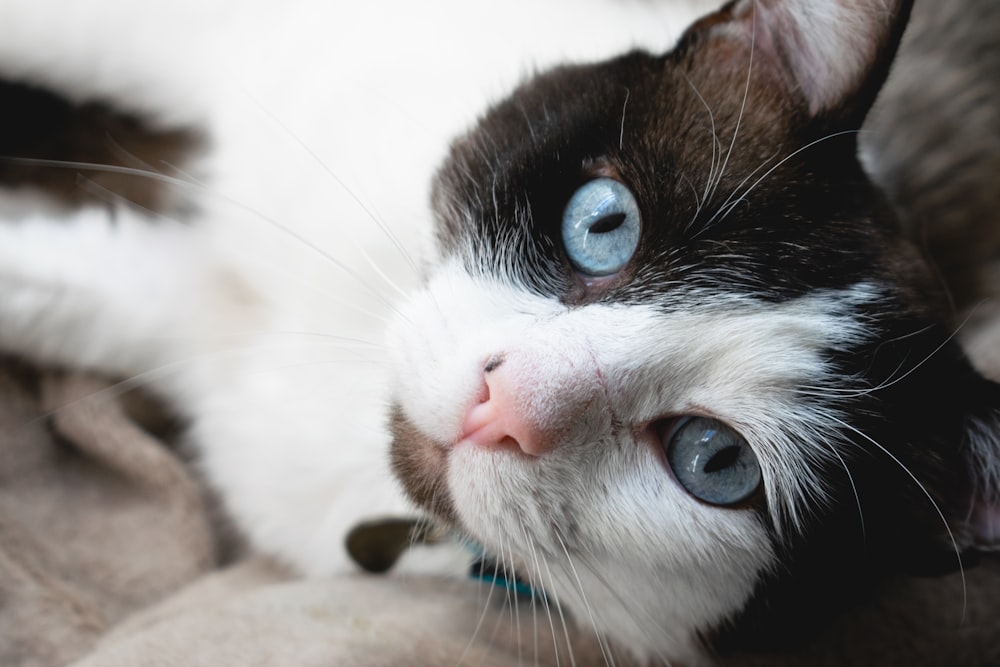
[261, 304]
[773, 288]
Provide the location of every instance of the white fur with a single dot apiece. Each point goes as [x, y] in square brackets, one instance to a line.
[143, 57]
[655, 564]
[262, 317]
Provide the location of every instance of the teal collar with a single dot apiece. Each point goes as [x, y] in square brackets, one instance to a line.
[492, 571]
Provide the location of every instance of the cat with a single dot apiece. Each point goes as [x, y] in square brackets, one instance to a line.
[666, 351]
[680, 293]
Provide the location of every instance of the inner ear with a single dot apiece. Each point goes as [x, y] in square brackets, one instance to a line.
[829, 56]
[972, 507]
[980, 529]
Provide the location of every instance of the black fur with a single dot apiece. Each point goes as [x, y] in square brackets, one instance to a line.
[792, 213]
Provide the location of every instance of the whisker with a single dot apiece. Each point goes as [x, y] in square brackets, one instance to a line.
[716, 150]
[152, 375]
[203, 189]
[535, 597]
[854, 490]
[116, 389]
[621, 133]
[257, 333]
[729, 205]
[482, 618]
[505, 570]
[615, 591]
[500, 573]
[893, 378]
[422, 526]
[697, 203]
[544, 598]
[927, 357]
[608, 659]
[328, 362]
[770, 171]
[106, 194]
[306, 243]
[381, 273]
[743, 104]
[123, 153]
[106, 168]
[336, 179]
[934, 504]
[562, 618]
[515, 604]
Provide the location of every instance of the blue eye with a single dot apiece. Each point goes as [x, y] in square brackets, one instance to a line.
[600, 227]
[712, 461]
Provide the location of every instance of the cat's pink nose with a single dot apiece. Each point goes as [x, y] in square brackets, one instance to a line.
[501, 418]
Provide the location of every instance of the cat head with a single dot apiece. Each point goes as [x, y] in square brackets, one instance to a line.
[676, 362]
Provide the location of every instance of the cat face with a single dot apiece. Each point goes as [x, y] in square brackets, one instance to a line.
[675, 363]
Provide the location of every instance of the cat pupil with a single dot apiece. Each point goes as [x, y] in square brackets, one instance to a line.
[722, 459]
[608, 223]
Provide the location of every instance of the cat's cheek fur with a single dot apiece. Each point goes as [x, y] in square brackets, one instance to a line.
[619, 544]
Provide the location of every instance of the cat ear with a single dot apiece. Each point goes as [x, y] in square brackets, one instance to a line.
[980, 528]
[974, 519]
[830, 57]
[970, 498]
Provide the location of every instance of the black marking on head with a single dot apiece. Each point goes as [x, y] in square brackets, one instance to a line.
[791, 212]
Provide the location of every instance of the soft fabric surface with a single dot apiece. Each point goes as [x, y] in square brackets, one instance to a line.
[97, 518]
[111, 555]
[100, 521]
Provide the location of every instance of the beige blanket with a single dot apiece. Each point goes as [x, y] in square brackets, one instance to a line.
[111, 554]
